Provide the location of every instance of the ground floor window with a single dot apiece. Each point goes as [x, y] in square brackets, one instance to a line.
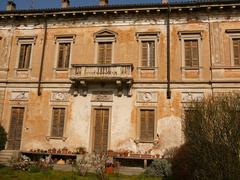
[147, 119]
[58, 118]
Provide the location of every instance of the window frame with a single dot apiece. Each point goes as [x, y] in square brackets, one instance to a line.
[61, 39]
[139, 125]
[148, 37]
[104, 36]
[64, 125]
[26, 40]
[188, 36]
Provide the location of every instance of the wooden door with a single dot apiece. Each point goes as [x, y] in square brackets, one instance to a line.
[101, 130]
[15, 130]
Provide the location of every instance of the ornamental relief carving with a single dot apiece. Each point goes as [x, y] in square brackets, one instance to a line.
[102, 96]
[192, 96]
[19, 95]
[60, 96]
[147, 97]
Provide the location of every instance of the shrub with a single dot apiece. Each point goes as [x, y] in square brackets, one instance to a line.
[3, 138]
[159, 168]
[212, 138]
[82, 165]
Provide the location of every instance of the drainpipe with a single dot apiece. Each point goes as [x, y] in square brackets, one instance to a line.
[168, 55]
[42, 57]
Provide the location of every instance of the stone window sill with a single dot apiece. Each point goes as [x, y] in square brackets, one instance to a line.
[56, 138]
[191, 68]
[61, 69]
[225, 67]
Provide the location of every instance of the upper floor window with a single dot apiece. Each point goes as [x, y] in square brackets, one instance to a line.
[190, 43]
[25, 55]
[58, 118]
[236, 51]
[64, 49]
[104, 52]
[63, 55]
[147, 121]
[104, 43]
[25, 51]
[148, 54]
[234, 37]
[147, 43]
[191, 53]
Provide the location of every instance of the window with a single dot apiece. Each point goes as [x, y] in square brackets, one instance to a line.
[148, 54]
[104, 52]
[58, 118]
[15, 129]
[25, 51]
[191, 53]
[148, 43]
[236, 51]
[64, 55]
[190, 45]
[25, 56]
[147, 120]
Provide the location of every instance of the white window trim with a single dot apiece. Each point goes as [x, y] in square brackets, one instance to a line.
[25, 40]
[139, 123]
[233, 34]
[148, 36]
[190, 35]
[63, 39]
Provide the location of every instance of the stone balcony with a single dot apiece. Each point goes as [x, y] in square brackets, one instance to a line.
[101, 72]
[120, 74]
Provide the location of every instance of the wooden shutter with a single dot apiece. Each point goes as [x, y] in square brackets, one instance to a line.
[28, 55]
[22, 56]
[144, 54]
[101, 130]
[25, 56]
[151, 53]
[147, 118]
[108, 53]
[236, 51]
[101, 53]
[191, 53]
[15, 130]
[58, 122]
[105, 52]
[67, 55]
[60, 55]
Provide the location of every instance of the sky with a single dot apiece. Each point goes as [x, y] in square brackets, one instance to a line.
[39, 4]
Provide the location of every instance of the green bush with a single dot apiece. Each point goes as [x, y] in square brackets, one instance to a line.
[212, 136]
[3, 138]
[159, 168]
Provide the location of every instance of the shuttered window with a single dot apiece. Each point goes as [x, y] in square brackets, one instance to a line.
[25, 55]
[101, 130]
[104, 52]
[191, 53]
[58, 117]
[147, 118]
[148, 54]
[64, 55]
[15, 130]
[236, 51]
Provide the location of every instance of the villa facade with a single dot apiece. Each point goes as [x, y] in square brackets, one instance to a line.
[113, 77]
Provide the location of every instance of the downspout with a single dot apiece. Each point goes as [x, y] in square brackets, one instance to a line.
[168, 55]
[210, 49]
[42, 57]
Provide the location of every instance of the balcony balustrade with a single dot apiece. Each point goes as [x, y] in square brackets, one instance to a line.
[101, 72]
[119, 74]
